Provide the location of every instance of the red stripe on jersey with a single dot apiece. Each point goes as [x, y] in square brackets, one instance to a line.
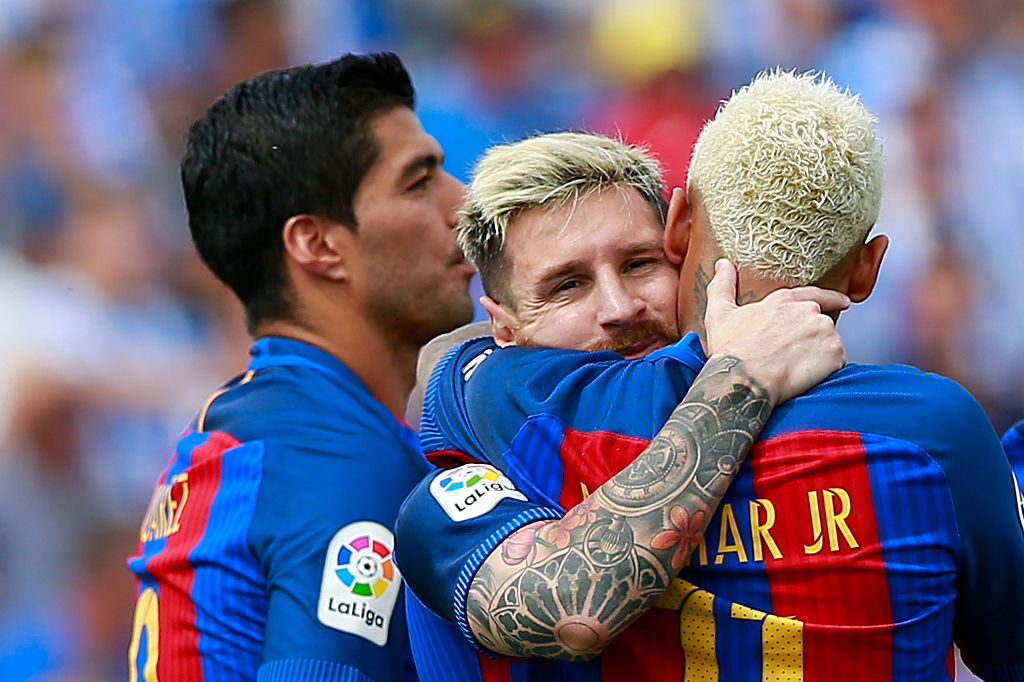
[831, 574]
[590, 458]
[492, 670]
[446, 459]
[179, 638]
[640, 651]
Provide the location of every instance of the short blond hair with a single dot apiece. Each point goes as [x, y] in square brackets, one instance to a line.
[553, 170]
[790, 173]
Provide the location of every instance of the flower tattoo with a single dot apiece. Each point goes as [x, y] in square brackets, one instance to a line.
[684, 535]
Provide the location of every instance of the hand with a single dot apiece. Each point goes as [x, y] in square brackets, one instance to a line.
[786, 342]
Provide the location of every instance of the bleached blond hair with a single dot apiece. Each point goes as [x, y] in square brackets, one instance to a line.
[790, 173]
[553, 170]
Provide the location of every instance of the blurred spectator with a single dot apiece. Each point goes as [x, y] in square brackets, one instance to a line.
[652, 52]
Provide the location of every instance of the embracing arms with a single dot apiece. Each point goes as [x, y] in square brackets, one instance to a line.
[564, 588]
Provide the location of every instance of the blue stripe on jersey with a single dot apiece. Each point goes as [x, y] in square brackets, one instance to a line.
[539, 477]
[183, 458]
[289, 670]
[228, 582]
[546, 670]
[738, 643]
[745, 582]
[440, 651]
[912, 498]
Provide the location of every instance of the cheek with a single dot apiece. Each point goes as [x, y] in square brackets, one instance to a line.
[568, 326]
[661, 294]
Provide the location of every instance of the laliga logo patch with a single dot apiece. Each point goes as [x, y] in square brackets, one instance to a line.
[471, 490]
[361, 582]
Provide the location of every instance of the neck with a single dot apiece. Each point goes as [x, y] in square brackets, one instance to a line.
[389, 371]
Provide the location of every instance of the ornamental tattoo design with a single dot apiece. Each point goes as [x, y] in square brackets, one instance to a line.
[565, 588]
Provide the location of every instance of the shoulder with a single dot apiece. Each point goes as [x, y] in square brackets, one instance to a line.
[931, 412]
[300, 405]
[897, 392]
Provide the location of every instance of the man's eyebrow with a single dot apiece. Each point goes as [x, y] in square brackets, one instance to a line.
[423, 162]
[550, 275]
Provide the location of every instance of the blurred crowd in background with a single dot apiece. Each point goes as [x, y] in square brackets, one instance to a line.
[113, 333]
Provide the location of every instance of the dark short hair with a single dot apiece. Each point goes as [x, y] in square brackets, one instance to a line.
[284, 143]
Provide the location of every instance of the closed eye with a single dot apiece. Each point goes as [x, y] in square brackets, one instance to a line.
[639, 263]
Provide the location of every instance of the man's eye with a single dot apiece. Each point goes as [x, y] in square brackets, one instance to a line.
[567, 285]
[639, 263]
[422, 183]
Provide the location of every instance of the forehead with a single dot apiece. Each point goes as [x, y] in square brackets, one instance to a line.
[401, 141]
[606, 223]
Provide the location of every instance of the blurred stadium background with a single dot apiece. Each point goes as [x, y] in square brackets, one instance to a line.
[113, 333]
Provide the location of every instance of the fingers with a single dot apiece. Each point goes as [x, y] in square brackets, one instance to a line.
[721, 289]
[828, 300]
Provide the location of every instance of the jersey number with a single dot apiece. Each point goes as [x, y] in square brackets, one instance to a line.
[147, 619]
[782, 648]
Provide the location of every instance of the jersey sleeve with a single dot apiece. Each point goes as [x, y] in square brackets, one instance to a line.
[450, 523]
[323, 533]
[986, 502]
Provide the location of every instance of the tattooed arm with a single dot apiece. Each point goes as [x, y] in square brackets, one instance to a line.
[566, 588]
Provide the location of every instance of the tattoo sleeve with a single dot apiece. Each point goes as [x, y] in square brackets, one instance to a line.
[566, 588]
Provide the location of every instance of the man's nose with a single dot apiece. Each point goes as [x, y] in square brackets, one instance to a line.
[454, 197]
[619, 305]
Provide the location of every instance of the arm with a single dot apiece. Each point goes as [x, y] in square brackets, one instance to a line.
[565, 588]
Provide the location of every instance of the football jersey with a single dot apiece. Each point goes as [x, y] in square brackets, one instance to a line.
[267, 549]
[873, 521]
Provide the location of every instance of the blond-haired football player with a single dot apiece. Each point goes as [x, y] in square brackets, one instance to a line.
[874, 521]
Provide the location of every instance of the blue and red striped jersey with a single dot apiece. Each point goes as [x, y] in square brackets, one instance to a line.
[266, 552]
[873, 524]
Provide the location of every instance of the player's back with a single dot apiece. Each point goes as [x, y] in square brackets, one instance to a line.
[841, 549]
[868, 521]
[232, 550]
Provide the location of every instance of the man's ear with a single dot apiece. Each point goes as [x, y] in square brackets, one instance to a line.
[503, 322]
[865, 269]
[678, 222]
[321, 246]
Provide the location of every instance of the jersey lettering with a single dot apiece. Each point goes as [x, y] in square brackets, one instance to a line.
[163, 517]
[835, 520]
[829, 510]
